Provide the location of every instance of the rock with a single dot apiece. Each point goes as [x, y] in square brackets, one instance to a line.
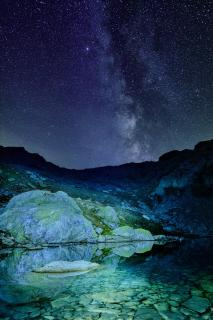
[173, 303]
[111, 297]
[109, 216]
[103, 310]
[98, 230]
[6, 240]
[61, 302]
[42, 217]
[161, 306]
[67, 266]
[35, 314]
[207, 284]
[167, 315]
[146, 313]
[28, 309]
[127, 233]
[189, 313]
[19, 316]
[197, 304]
[196, 292]
[85, 300]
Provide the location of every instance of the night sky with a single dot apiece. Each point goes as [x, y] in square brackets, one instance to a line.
[91, 82]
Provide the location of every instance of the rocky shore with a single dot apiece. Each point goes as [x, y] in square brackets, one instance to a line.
[41, 218]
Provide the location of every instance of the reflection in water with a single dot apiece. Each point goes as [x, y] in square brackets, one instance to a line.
[135, 281]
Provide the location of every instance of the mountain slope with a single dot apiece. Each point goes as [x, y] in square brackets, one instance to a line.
[174, 193]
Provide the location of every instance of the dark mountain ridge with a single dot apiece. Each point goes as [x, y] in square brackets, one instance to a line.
[175, 192]
[20, 156]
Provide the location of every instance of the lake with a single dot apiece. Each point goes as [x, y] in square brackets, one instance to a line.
[139, 280]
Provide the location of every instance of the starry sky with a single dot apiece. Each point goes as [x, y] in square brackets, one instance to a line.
[99, 82]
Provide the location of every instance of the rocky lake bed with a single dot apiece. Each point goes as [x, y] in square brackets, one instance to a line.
[175, 282]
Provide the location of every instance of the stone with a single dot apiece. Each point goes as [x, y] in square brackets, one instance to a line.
[167, 315]
[98, 230]
[19, 316]
[110, 297]
[67, 266]
[173, 303]
[161, 306]
[109, 216]
[27, 309]
[207, 284]
[85, 300]
[197, 304]
[127, 233]
[42, 217]
[61, 302]
[196, 292]
[188, 312]
[35, 314]
[146, 313]
[103, 310]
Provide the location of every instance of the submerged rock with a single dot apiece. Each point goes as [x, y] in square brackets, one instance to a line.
[197, 304]
[147, 313]
[42, 217]
[207, 284]
[67, 266]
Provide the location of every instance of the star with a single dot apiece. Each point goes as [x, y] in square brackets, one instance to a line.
[111, 81]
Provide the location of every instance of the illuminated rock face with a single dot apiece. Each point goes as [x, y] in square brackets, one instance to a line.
[42, 217]
[126, 234]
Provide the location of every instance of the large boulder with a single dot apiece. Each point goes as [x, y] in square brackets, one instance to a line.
[42, 217]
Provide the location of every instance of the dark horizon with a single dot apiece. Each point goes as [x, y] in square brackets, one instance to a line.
[104, 166]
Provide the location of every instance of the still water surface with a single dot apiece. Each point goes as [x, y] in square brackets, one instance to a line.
[138, 281]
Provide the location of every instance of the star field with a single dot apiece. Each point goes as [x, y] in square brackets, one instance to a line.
[93, 83]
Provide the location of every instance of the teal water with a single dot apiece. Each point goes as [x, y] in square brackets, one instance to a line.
[138, 281]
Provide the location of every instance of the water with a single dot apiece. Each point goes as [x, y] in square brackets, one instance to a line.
[138, 281]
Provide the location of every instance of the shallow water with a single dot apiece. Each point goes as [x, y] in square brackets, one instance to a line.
[135, 281]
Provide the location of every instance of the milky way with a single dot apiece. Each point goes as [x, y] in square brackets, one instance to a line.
[93, 83]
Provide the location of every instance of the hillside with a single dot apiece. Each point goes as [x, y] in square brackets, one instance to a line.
[174, 194]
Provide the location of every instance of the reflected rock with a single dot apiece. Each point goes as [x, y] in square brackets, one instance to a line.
[67, 266]
[16, 265]
[128, 249]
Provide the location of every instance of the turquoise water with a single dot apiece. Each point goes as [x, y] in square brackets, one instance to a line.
[135, 281]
